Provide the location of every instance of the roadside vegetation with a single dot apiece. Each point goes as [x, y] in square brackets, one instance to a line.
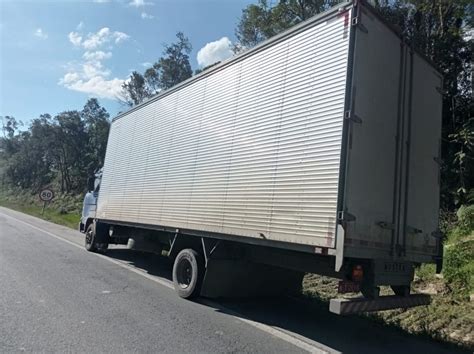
[450, 316]
[64, 210]
[60, 151]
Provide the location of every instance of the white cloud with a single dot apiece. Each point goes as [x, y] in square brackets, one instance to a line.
[147, 64]
[97, 55]
[75, 38]
[97, 86]
[146, 16]
[80, 26]
[120, 37]
[92, 78]
[90, 75]
[70, 78]
[95, 40]
[215, 51]
[102, 1]
[139, 3]
[40, 34]
[92, 69]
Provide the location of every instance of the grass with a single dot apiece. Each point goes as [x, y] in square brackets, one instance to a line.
[63, 211]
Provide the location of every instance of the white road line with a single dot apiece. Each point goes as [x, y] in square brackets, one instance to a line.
[306, 344]
[166, 283]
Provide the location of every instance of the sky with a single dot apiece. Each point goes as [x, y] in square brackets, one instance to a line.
[56, 54]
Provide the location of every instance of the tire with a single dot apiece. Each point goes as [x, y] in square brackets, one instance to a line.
[188, 272]
[91, 242]
[90, 239]
[401, 290]
[370, 291]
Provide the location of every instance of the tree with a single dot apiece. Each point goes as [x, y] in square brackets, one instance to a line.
[255, 25]
[261, 21]
[171, 69]
[27, 165]
[9, 126]
[61, 150]
[135, 90]
[97, 124]
[152, 78]
[70, 147]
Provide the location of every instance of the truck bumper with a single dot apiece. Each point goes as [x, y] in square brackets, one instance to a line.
[358, 305]
[80, 227]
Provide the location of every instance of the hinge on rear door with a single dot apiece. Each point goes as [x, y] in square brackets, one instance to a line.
[356, 23]
[352, 117]
[437, 234]
[413, 230]
[385, 225]
[345, 216]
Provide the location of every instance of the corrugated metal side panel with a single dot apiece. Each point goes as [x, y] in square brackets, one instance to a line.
[252, 150]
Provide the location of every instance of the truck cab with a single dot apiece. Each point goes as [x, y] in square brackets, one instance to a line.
[89, 204]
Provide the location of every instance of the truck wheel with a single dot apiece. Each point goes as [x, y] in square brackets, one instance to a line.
[91, 239]
[90, 243]
[370, 291]
[401, 290]
[188, 272]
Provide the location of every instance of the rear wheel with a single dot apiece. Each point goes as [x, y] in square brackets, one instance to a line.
[188, 272]
[370, 291]
[401, 290]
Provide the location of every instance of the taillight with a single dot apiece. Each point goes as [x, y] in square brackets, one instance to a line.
[357, 273]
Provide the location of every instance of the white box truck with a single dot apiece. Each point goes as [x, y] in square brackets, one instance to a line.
[316, 151]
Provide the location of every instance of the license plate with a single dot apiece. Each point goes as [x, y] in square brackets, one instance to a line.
[394, 267]
[346, 286]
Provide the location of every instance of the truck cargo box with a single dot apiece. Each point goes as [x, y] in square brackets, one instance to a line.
[325, 137]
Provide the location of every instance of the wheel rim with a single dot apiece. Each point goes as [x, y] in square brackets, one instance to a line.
[184, 273]
[89, 237]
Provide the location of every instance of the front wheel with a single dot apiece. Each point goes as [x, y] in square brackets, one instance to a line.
[91, 239]
[188, 272]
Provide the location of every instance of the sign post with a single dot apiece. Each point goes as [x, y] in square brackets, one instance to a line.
[46, 195]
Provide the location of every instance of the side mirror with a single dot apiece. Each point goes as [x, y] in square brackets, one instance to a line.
[90, 184]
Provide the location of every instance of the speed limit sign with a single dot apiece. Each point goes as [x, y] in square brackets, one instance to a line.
[46, 195]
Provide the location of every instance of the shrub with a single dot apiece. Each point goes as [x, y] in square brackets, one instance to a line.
[459, 268]
[465, 221]
[426, 272]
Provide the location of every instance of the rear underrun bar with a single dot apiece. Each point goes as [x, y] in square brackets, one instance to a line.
[358, 305]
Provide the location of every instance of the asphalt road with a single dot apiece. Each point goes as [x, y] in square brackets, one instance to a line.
[56, 297]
